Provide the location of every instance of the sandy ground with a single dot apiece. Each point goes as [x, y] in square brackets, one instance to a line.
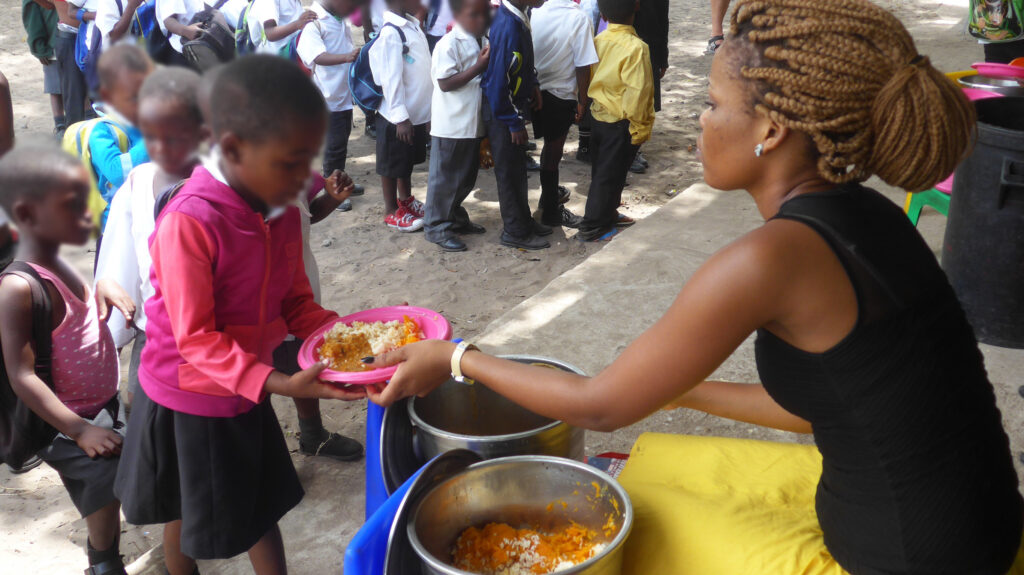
[363, 264]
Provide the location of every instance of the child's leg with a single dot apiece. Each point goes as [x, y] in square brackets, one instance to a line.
[104, 527]
[404, 188]
[177, 563]
[336, 148]
[613, 153]
[390, 189]
[510, 173]
[267, 555]
[550, 157]
[454, 164]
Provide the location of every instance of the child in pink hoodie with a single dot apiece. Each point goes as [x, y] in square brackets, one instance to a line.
[205, 453]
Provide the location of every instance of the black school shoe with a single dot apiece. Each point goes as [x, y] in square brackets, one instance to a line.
[111, 567]
[371, 130]
[470, 229]
[540, 229]
[30, 464]
[334, 446]
[564, 195]
[563, 218]
[531, 164]
[529, 243]
[452, 245]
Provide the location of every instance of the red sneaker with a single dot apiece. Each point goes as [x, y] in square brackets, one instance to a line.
[403, 221]
[414, 206]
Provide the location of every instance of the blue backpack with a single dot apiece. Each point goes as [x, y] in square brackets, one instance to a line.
[243, 41]
[366, 93]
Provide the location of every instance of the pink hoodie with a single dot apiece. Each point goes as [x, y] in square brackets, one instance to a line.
[229, 288]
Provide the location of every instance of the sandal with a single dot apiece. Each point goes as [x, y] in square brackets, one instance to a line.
[623, 221]
[714, 43]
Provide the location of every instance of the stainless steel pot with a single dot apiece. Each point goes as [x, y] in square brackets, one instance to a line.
[522, 491]
[458, 416]
[1004, 86]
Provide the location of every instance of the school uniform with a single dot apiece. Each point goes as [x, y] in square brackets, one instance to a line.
[455, 129]
[407, 88]
[622, 108]
[72, 81]
[439, 17]
[652, 27]
[280, 11]
[108, 14]
[563, 40]
[330, 35]
[508, 86]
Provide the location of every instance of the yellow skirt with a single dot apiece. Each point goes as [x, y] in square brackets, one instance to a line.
[720, 506]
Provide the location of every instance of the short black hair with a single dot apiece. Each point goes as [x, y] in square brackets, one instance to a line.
[33, 171]
[456, 5]
[258, 97]
[617, 11]
[174, 84]
[120, 58]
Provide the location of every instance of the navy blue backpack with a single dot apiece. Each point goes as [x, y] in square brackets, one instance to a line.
[366, 93]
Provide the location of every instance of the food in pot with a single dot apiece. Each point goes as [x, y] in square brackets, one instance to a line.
[500, 549]
[345, 345]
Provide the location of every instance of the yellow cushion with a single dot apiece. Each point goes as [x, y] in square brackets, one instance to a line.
[726, 506]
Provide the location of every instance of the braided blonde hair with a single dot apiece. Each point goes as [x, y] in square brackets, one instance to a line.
[847, 74]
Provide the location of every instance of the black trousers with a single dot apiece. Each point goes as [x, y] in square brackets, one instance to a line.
[72, 81]
[612, 152]
[339, 128]
[454, 165]
[510, 173]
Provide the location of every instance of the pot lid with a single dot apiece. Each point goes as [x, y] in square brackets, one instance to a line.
[398, 459]
[401, 559]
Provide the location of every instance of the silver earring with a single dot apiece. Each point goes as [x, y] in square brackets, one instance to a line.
[758, 150]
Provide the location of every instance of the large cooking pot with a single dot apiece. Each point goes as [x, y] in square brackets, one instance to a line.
[459, 416]
[522, 491]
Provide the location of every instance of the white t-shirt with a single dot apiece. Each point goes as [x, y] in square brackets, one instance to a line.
[444, 18]
[182, 10]
[328, 35]
[405, 80]
[456, 114]
[124, 254]
[563, 40]
[281, 11]
[107, 16]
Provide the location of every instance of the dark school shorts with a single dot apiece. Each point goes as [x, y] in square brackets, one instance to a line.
[395, 159]
[553, 120]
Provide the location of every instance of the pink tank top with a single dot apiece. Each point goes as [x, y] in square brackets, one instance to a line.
[85, 363]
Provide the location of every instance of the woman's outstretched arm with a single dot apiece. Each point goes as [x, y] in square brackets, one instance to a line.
[747, 402]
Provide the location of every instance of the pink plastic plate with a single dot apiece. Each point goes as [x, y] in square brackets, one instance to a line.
[432, 324]
[999, 70]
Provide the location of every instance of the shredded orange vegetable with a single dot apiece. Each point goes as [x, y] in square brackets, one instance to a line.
[500, 549]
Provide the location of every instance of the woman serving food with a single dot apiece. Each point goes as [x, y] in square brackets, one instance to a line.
[860, 338]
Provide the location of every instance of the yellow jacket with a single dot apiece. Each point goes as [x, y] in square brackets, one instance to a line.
[622, 82]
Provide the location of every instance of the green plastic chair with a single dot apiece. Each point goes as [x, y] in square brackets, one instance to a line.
[933, 198]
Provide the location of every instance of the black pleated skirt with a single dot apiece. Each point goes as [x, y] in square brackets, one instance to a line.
[228, 479]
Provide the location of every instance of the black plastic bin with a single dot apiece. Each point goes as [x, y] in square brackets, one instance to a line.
[983, 251]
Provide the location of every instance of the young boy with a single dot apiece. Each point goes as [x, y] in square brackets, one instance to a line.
[622, 106]
[173, 130]
[114, 21]
[510, 90]
[402, 68]
[563, 43]
[121, 69]
[72, 81]
[279, 21]
[460, 57]
[45, 193]
[326, 48]
[40, 22]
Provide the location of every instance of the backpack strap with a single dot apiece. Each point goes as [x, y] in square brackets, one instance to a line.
[405, 46]
[165, 197]
[218, 4]
[120, 7]
[42, 318]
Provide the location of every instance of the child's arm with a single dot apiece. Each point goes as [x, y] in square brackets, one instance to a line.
[124, 23]
[175, 26]
[389, 61]
[326, 59]
[339, 187]
[460, 79]
[111, 162]
[367, 17]
[20, 361]
[582, 87]
[638, 96]
[312, 50]
[275, 32]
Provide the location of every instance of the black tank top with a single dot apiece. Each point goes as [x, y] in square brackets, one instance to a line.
[917, 473]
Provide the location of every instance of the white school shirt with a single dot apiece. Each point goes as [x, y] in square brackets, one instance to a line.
[124, 254]
[377, 10]
[328, 35]
[456, 114]
[232, 11]
[281, 11]
[404, 79]
[107, 16]
[444, 18]
[563, 40]
[182, 10]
